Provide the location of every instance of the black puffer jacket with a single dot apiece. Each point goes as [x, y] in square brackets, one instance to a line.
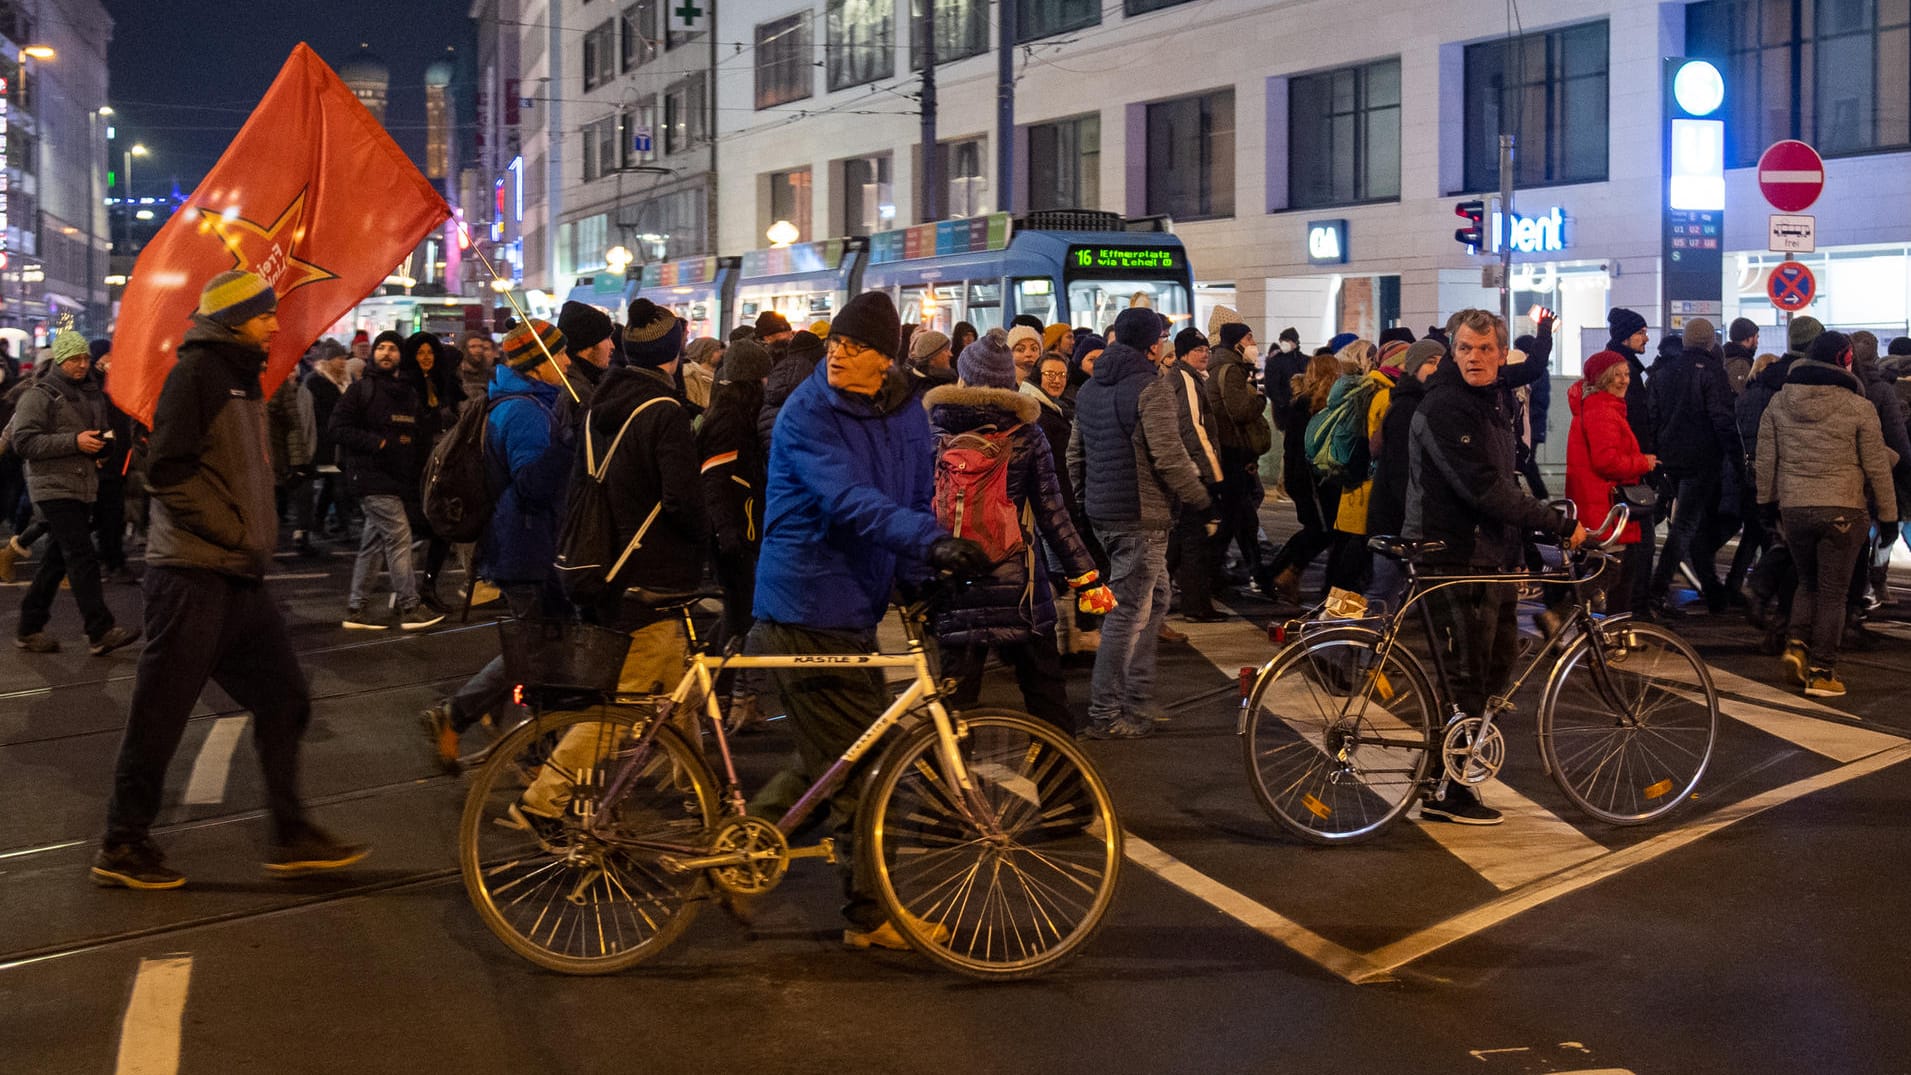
[1692, 414]
[376, 427]
[1009, 606]
[656, 501]
[734, 465]
[1751, 404]
[1883, 395]
[1461, 488]
[1638, 402]
[1387, 507]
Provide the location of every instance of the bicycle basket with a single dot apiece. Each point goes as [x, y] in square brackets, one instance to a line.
[565, 656]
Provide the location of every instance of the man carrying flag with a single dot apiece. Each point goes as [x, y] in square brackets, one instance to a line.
[208, 615]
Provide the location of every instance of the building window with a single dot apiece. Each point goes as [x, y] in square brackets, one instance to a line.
[1830, 73]
[1142, 7]
[1064, 164]
[1045, 18]
[861, 42]
[964, 168]
[601, 154]
[581, 244]
[684, 115]
[640, 117]
[868, 202]
[783, 60]
[790, 200]
[962, 30]
[600, 54]
[637, 35]
[1549, 91]
[1191, 156]
[1343, 136]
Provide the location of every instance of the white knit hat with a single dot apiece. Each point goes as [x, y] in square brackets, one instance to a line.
[1222, 315]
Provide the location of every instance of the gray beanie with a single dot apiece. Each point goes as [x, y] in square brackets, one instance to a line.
[744, 360]
[1700, 334]
[1421, 353]
[987, 363]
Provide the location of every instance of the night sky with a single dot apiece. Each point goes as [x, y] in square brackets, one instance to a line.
[183, 74]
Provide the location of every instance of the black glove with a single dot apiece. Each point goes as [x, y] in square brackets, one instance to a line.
[959, 558]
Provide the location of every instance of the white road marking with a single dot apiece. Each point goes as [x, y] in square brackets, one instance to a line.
[1462, 926]
[208, 781]
[1839, 742]
[1531, 844]
[1343, 961]
[1766, 694]
[149, 1033]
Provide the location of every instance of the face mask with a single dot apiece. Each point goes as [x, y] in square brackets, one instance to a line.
[1249, 353]
[1288, 347]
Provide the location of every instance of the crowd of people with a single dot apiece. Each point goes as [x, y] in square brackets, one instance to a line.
[1084, 480]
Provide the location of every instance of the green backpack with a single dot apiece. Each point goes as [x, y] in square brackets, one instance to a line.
[1336, 438]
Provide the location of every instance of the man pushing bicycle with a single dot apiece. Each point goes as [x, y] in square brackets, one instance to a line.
[1462, 493]
[848, 516]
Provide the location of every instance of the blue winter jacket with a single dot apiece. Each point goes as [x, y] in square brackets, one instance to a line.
[528, 452]
[849, 504]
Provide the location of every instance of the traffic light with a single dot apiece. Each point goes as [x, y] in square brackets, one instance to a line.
[1474, 213]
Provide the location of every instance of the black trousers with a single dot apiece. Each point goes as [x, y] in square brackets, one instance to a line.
[1038, 671]
[1193, 557]
[109, 523]
[71, 556]
[1239, 502]
[736, 576]
[1476, 628]
[202, 625]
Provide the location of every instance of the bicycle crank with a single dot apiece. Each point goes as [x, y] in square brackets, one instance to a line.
[748, 856]
[1473, 751]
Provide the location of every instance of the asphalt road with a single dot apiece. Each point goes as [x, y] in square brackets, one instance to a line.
[1753, 932]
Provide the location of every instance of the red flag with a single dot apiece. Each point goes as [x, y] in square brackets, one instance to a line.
[312, 195]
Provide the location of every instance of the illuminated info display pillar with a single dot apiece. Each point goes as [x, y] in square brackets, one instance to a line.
[1694, 193]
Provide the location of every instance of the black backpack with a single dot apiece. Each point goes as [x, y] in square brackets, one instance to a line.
[588, 553]
[456, 491]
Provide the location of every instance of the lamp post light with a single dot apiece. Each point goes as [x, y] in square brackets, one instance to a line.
[782, 233]
[126, 194]
[618, 259]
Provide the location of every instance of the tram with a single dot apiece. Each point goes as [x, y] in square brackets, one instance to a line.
[1077, 267]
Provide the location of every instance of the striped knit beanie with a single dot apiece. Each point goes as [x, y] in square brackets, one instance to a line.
[232, 298]
[531, 345]
[653, 336]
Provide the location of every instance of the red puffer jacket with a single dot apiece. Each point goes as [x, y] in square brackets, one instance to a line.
[1601, 452]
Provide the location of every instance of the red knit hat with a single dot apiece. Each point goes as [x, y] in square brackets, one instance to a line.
[1597, 365]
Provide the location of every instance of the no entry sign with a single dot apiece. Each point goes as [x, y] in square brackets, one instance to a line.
[1791, 175]
[1791, 287]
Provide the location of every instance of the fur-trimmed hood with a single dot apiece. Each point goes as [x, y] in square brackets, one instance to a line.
[1007, 400]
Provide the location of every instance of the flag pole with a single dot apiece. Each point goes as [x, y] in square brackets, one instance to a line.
[523, 318]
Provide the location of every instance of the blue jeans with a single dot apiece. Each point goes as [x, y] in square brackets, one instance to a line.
[1124, 676]
[387, 533]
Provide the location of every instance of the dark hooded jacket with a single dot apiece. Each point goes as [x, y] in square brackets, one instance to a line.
[378, 429]
[1014, 603]
[1883, 394]
[1461, 488]
[1758, 395]
[47, 422]
[790, 366]
[529, 449]
[1387, 506]
[1638, 400]
[211, 485]
[440, 392]
[656, 501]
[734, 465]
[1126, 458]
[848, 504]
[1692, 409]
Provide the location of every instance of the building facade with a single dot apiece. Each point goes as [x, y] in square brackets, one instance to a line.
[53, 130]
[599, 124]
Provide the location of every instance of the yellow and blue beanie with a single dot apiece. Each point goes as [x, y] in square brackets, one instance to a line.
[232, 298]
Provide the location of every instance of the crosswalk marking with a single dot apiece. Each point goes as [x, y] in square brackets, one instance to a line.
[1766, 694]
[1532, 843]
[149, 1032]
[1839, 742]
[208, 781]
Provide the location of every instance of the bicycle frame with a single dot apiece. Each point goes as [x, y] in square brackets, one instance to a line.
[699, 681]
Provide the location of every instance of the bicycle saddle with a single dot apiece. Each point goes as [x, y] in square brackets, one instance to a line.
[1399, 548]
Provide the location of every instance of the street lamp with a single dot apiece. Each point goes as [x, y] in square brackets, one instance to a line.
[618, 259]
[126, 193]
[782, 233]
[39, 52]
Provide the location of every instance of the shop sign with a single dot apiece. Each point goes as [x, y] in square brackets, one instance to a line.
[1534, 235]
[1327, 242]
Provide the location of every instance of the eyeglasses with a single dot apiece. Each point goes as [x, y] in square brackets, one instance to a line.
[850, 348]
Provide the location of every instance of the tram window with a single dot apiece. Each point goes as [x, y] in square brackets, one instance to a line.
[1096, 302]
[985, 306]
[1036, 295]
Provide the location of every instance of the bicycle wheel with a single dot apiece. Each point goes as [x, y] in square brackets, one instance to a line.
[551, 890]
[1338, 740]
[1011, 881]
[1628, 744]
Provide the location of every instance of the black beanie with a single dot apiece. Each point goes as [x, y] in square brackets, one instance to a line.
[744, 360]
[769, 323]
[1899, 346]
[388, 336]
[653, 337]
[1232, 334]
[1188, 339]
[870, 318]
[1138, 327]
[806, 346]
[584, 327]
[1290, 333]
[1743, 328]
[1398, 332]
[1621, 323]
